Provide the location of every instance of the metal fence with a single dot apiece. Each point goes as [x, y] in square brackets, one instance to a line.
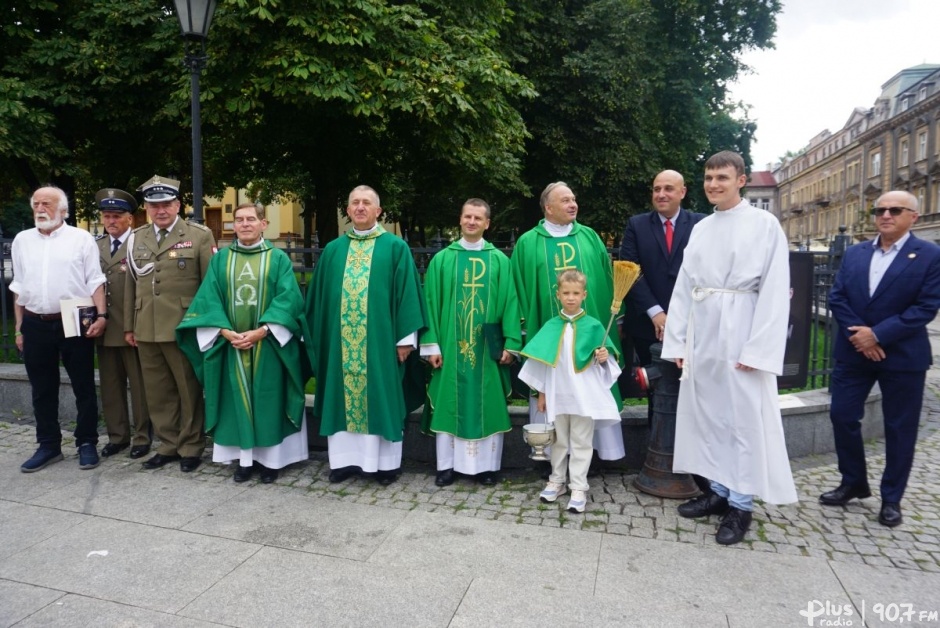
[826, 263]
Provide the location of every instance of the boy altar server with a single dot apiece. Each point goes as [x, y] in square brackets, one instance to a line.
[569, 364]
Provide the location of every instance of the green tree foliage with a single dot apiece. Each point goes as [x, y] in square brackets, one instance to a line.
[429, 101]
[306, 97]
[628, 88]
[324, 95]
[83, 88]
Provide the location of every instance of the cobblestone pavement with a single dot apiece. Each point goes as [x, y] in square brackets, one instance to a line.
[849, 534]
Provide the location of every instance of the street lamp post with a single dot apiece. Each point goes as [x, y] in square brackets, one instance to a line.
[195, 18]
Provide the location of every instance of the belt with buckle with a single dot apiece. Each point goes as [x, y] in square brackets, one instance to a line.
[44, 317]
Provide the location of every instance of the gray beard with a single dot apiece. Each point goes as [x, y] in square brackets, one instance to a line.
[48, 223]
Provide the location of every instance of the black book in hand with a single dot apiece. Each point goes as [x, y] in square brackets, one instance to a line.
[87, 315]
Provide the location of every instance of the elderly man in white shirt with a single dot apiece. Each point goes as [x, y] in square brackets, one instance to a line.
[51, 262]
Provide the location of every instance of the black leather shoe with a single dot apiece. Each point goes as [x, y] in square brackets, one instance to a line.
[445, 477]
[734, 526]
[160, 460]
[386, 477]
[890, 514]
[488, 478]
[139, 451]
[343, 473]
[842, 495]
[267, 475]
[703, 505]
[110, 449]
[188, 464]
[243, 474]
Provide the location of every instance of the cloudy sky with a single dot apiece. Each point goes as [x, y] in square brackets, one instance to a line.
[830, 57]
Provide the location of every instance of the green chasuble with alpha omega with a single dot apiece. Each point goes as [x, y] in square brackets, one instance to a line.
[365, 296]
[254, 397]
[537, 260]
[466, 290]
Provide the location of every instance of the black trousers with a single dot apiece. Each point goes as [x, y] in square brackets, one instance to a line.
[44, 344]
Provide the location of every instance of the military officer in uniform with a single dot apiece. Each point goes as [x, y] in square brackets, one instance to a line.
[166, 263]
[118, 363]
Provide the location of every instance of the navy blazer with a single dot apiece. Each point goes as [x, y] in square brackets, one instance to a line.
[644, 242]
[907, 298]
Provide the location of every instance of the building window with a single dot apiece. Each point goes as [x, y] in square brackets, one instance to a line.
[922, 94]
[905, 104]
[764, 203]
[875, 165]
[922, 145]
[920, 198]
[905, 158]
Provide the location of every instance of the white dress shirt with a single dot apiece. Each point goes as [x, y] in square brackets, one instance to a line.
[48, 268]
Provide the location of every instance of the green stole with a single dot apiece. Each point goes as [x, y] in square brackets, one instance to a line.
[354, 310]
[588, 336]
[247, 290]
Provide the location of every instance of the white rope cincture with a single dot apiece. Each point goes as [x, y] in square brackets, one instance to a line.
[700, 294]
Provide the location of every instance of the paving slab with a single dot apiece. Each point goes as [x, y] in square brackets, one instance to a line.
[24, 525]
[284, 588]
[22, 487]
[521, 604]
[475, 547]
[129, 494]
[751, 588]
[78, 610]
[284, 518]
[889, 597]
[18, 601]
[144, 566]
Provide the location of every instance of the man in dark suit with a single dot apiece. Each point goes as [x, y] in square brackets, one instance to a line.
[885, 293]
[118, 364]
[657, 247]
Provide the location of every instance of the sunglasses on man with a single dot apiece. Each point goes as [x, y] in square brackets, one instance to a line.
[894, 211]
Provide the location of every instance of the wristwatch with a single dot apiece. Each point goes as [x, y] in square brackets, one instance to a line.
[103, 315]
[267, 330]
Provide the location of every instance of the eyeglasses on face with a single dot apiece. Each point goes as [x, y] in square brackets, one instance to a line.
[894, 211]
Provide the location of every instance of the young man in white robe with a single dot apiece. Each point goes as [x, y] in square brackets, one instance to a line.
[727, 330]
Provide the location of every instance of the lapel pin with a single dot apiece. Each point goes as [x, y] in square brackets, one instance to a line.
[912, 255]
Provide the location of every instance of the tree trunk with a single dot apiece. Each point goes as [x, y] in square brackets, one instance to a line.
[326, 204]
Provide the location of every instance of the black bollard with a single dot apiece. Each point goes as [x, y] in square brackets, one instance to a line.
[656, 477]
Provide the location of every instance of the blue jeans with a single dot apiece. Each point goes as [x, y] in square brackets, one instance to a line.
[738, 500]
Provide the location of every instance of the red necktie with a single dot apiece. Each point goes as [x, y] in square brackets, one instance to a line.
[668, 236]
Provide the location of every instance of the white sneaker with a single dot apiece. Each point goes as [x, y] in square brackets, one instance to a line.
[552, 491]
[578, 501]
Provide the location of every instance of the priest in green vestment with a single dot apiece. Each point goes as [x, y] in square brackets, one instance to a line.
[365, 311]
[556, 244]
[242, 335]
[472, 331]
